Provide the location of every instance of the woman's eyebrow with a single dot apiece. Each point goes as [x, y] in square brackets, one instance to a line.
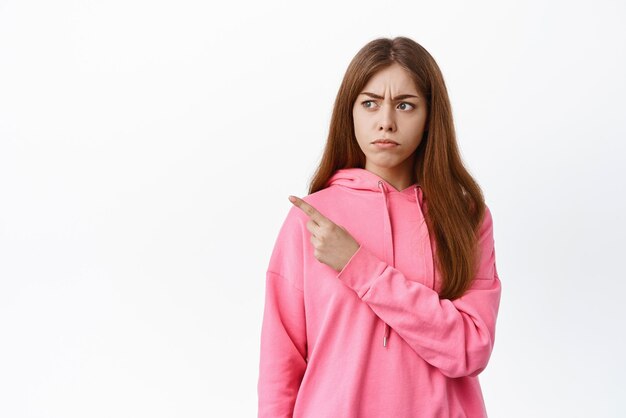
[398, 97]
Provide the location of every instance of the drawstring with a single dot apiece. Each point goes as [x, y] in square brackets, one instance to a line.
[387, 230]
[387, 227]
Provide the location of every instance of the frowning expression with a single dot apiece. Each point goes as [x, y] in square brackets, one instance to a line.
[390, 107]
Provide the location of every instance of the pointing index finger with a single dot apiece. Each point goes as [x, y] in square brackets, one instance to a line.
[308, 209]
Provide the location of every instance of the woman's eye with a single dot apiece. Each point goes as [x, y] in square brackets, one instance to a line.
[371, 101]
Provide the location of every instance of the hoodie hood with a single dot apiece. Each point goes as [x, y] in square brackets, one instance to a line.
[361, 179]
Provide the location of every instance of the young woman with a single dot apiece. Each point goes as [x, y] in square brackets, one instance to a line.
[382, 291]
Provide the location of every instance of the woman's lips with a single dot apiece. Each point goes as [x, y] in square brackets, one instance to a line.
[385, 145]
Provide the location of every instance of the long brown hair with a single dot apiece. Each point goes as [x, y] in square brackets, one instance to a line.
[454, 201]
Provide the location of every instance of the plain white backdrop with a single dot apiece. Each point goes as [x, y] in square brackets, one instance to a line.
[147, 149]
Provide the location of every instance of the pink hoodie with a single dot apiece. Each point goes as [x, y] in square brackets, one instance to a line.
[373, 340]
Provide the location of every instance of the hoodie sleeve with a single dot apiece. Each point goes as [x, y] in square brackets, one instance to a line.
[283, 350]
[455, 336]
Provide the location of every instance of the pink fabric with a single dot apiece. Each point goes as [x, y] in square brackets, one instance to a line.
[323, 351]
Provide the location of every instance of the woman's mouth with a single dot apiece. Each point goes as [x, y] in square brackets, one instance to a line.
[385, 143]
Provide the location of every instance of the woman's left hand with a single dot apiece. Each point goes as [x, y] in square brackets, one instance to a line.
[334, 246]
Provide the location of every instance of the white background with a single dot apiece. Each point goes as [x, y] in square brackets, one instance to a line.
[147, 149]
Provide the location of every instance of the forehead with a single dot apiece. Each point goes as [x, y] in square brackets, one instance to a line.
[394, 78]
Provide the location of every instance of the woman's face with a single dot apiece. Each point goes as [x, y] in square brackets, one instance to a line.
[390, 107]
